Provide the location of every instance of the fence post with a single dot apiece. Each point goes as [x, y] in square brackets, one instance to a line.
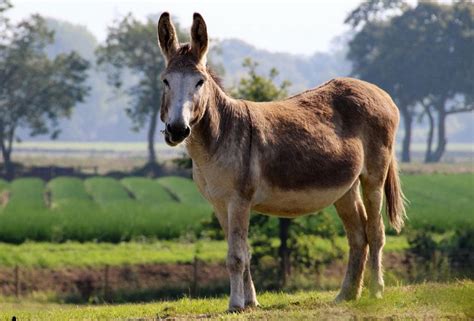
[195, 284]
[106, 283]
[17, 281]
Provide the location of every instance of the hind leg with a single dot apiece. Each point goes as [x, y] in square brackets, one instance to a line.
[373, 181]
[351, 210]
[372, 191]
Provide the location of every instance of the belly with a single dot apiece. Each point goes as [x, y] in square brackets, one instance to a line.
[291, 203]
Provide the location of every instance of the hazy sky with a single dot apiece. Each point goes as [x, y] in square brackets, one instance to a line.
[297, 26]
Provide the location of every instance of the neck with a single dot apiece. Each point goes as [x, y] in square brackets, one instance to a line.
[223, 119]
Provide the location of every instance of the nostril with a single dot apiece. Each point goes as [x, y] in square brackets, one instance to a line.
[187, 131]
[168, 127]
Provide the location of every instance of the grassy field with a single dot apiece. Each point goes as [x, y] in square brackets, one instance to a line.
[428, 301]
[74, 254]
[111, 210]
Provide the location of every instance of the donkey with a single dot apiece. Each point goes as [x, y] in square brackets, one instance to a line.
[286, 158]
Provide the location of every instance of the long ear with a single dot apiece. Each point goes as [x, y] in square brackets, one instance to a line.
[167, 38]
[199, 40]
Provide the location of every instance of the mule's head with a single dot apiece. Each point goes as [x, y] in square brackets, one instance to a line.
[185, 78]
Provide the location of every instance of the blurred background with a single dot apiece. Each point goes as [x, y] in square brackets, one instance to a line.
[94, 207]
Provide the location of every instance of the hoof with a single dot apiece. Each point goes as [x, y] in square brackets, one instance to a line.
[341, 297]
[377, 294]
[252, 304]
[235, 309]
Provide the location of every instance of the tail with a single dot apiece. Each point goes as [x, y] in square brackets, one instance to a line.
[395, 199]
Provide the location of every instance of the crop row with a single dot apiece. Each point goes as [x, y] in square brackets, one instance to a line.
[100, 208]
[106, 209]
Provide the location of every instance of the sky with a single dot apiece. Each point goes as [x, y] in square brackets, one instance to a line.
[298, 27]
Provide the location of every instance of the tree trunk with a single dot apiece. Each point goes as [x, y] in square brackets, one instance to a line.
[7, 162]
[429, 141]
[441, 147]
[407, 121]
[6, 148]
[151, 137]
[284, 251]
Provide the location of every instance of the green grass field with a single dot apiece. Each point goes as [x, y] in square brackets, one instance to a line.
[110, 210]
[428, 301]
[74, 254]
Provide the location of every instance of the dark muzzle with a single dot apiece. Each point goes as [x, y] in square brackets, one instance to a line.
[175, 133]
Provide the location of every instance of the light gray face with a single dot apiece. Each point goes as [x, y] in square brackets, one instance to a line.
[182, 92]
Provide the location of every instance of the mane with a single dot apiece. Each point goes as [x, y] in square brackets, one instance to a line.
[217, 79]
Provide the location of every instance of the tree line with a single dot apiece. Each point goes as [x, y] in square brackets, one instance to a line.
[422, 55]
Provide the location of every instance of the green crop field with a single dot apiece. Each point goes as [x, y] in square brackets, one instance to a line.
[429, 301]
[111, 210]
[100, 208]
[147, 190]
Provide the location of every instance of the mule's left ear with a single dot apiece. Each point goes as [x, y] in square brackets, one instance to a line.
[199, 39]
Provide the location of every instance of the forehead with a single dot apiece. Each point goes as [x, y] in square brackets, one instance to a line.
[183, 71]
[184, 61]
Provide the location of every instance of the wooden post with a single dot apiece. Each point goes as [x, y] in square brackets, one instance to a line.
[106, 283]
[17, 281]
[195, 284]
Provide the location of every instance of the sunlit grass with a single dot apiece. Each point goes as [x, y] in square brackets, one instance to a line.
[429, 301]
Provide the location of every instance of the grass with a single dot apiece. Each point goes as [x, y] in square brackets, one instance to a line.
[439, 202]
[74, 254]
[3, 185]
[429, 301]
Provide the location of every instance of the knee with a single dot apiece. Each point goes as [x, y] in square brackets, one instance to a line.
[236, 263]
[357, 237]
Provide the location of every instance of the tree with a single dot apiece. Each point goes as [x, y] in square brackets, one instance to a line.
[35, 91]
[371, 55]
[422, 57]
[255, 87]
[131, 50]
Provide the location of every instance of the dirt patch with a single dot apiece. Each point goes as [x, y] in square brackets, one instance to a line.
[153, 281]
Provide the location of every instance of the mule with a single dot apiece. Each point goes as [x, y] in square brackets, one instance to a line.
[285, 158]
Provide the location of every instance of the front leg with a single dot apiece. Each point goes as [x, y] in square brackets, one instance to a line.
[237, 253]
[249, 288]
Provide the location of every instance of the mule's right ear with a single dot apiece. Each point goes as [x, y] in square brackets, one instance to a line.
[167, 38]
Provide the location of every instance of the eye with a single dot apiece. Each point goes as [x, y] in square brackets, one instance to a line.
[167, 84]
[200, 83]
